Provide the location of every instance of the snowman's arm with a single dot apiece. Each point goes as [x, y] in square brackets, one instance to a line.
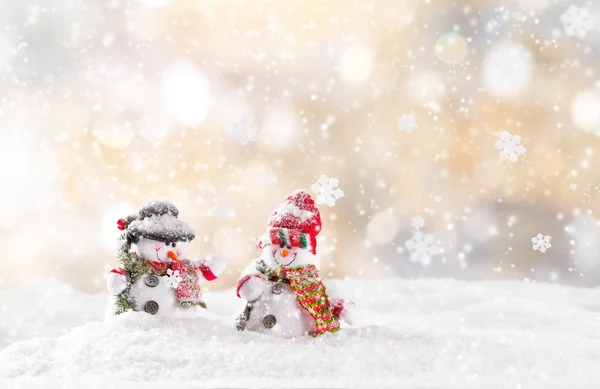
[343, 309]
[250, 285]
[116, 281]
[211, 267]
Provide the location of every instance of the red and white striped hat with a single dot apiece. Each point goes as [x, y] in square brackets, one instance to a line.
[296, 223]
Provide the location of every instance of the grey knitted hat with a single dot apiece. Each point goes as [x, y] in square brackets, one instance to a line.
[157, 220]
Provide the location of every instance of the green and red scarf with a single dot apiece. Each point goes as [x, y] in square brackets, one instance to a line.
[311, 294]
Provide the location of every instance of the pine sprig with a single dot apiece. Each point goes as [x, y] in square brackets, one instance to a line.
[188, 304]
[262, 267]
[134, 266]
[125, 302]
[134, 269]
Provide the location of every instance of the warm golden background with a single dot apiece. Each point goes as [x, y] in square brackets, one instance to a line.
[104, 104]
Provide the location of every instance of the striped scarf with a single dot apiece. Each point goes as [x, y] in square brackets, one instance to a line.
[310, 294]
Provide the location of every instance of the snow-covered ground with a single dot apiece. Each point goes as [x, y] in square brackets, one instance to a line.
[423, 333]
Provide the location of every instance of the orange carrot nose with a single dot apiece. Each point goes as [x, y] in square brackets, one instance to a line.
[173, 256]
[284, 253]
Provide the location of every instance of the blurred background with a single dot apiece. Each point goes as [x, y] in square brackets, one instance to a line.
[226, 107]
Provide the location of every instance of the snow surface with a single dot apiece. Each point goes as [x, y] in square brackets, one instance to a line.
[413, 333]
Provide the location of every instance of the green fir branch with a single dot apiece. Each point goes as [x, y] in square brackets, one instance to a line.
[125, 302]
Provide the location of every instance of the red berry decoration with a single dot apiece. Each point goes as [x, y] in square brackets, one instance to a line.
[121, 224]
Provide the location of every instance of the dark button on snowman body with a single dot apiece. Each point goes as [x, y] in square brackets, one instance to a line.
[151, 307]
[277, 288]
[159, 299]
[269, 321]
[151, 281]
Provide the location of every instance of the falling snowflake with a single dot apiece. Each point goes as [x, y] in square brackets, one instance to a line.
[573, 186]
[243, 132]
[407, 123]
[172, 279]
[422, 248]
[510, 147]
[437, 198]
[327, 191]
[417, 222]
[577, 21]
[541, 242]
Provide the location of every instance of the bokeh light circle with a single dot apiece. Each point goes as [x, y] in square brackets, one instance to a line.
[279, 129]
[382, 228]
[451, 48]
[356, 65]
[186, 93]
[585, 110]
[507, 71]
[425, 87]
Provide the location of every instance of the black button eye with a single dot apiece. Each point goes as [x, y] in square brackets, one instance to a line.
[173, 245]
[168, 244]
[282, 245]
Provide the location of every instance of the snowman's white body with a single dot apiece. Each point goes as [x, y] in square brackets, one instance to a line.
[268, 299]
[279, 301]
[163, 295]
[158, 290]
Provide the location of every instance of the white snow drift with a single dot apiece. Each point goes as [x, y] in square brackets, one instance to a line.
[433, 333]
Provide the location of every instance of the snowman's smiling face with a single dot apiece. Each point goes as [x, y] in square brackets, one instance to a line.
[155, 250]
[287, 256]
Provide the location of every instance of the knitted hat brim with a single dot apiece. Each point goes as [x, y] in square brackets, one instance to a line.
[163, 228]
[287, 237]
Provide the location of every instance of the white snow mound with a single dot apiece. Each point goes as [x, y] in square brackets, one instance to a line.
[426, 333]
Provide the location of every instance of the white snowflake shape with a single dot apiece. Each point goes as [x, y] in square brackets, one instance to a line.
[327, 191]
[243, 132]
[437, 198]
[407, 123]
[172, 279]
[577, 21]
[541, 242]
[510, 147]
[422, 248]
[417, 222]
[573, 186]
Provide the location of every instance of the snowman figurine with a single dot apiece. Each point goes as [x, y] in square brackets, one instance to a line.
[284, 293]
[157, 277]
